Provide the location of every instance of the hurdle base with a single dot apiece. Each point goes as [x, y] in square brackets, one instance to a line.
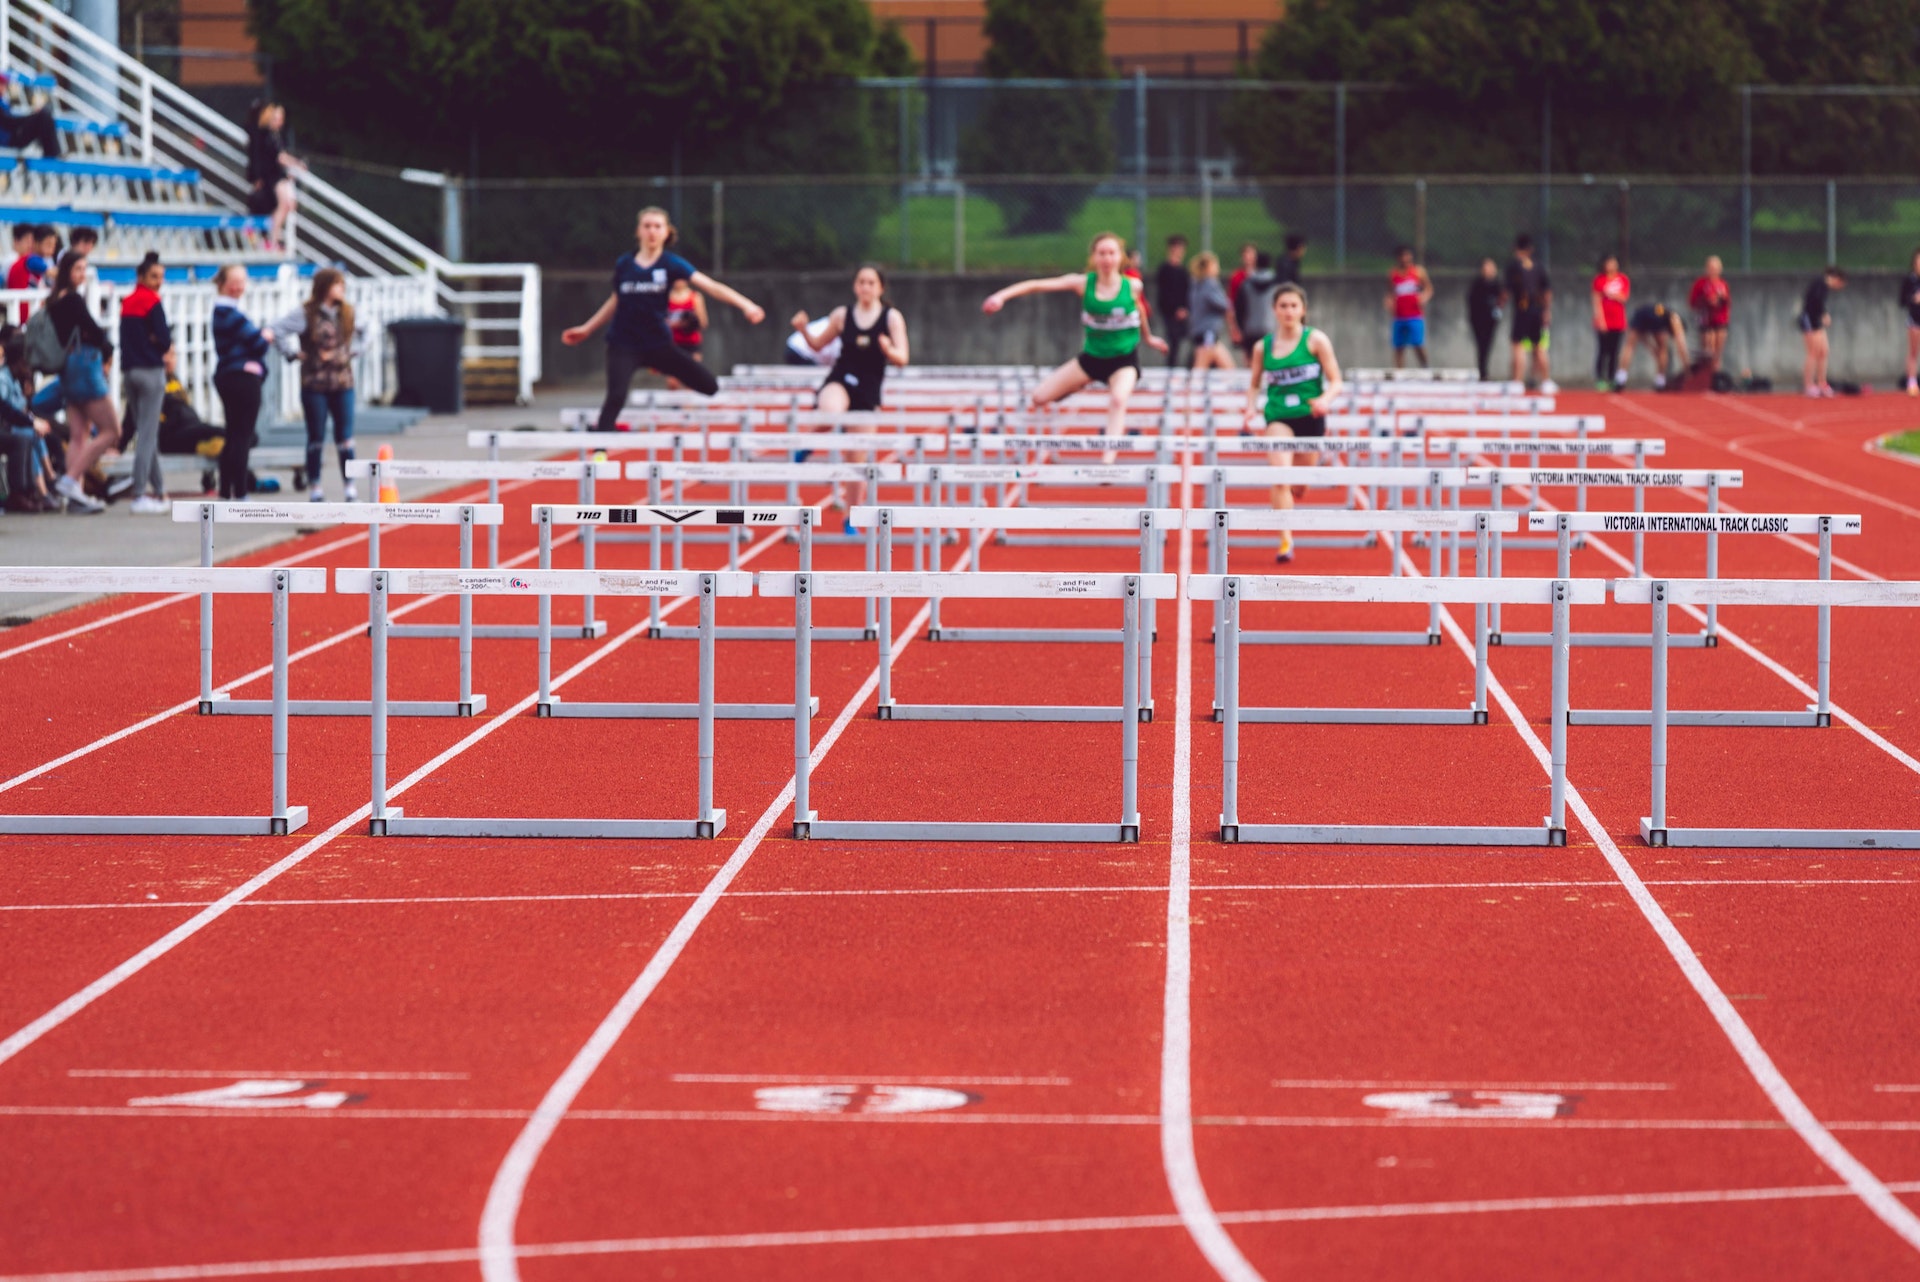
[1631, 640]
[1361, 716]
[497, 631]
[554, 707]
[907, 830]
[1339, 638]
[159, 825]
[741, 633]
[1783, 838]
[1698, 717]
[396, 823]
[222, 705]
[1388, 835]
[891, 711]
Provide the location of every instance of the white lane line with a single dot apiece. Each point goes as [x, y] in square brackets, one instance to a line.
[160, 604]
[1177, 1154]
[947, 1232]
[127, 969]
[868, 1080]
[499, 1260]
[331, 1073]
[260, 673]
[1342, 1083]
[1805, 474]
[1867, 1186]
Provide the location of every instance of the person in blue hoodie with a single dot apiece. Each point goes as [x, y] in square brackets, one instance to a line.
[240, 351]
[145, 339]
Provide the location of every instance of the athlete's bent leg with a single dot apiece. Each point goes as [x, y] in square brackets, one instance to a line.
[1119, 391]
[676, 364]
[1062, 383]
[622, 364]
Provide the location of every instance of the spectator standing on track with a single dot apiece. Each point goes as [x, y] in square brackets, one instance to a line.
[1712, 304]
[1662, 330]
[1910, 304]
[1253, 305]
[1815, 322]
[1209, 315]
[1292, 260]
[1409, 290]
[321, 335]
[638, 337]
[687, 319]
[1296, 378]
[93, 425]
[240, 351]
[1611, 290]
[1249, 260]
[1484, 298]
[1530, 295]
[1172, 290]
[145, 340]
[270, 168]
[1113, 323]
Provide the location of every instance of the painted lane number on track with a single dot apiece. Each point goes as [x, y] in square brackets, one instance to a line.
[860, 1099]
[1538, 1105]
[252, 1093]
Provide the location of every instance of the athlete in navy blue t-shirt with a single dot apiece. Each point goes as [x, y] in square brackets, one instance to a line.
[639, 338]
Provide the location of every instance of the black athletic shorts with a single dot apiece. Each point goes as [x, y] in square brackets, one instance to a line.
[1648, 324]
[1312, 425]
[1101, 369]
[858, 397]
[1527, 328]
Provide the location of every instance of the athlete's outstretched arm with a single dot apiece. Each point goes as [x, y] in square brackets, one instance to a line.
[1039, 285]
[894, 342]
[836, 322]
[1322, 348]
[730, 296]
[581, 333]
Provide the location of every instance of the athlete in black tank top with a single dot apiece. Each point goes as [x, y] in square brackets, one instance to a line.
[862, 367]
[865, 352]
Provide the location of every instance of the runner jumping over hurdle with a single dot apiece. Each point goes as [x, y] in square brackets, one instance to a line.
[1296, 368]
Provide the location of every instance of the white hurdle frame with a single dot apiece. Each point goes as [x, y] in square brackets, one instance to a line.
[281, 583]
[373, 515]
[547, 515]
[1821, 594]
[1129, 589]
[380, 585]
[1230, 590]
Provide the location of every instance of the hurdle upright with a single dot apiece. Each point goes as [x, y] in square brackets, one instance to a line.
[1821, 594]
[281, 583]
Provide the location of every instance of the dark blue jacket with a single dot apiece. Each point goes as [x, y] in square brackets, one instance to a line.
[144, 333]
[237, 341]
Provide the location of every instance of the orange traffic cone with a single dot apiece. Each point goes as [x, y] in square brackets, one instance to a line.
[389, 492]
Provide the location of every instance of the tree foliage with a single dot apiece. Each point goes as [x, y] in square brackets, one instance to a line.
[1635, 85]
[1043, 131]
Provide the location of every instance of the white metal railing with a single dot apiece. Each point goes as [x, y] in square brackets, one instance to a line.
[377, 301]
[500, 302]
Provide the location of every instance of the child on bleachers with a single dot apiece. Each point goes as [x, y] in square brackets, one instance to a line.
[23, 129]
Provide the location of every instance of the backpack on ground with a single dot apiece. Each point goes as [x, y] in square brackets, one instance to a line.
[44, 349]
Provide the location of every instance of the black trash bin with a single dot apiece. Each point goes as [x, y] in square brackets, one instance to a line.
[426, 358]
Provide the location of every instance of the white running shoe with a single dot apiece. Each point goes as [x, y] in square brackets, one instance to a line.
[78, 500]
[316, 495]
[147, 505]
[353, 494]
[1549, 388]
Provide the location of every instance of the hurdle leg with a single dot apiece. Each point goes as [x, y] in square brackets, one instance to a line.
[377, 610]
[1433, 571]
[1562, 648]
[469, 702]
[1150, 616]
[803, 816]
[869, 614]
[206, 612]
[653, 602]
[543, 706]
[1653, 829]
[493, 496]
[1131, 712]
[883, 710]
[1480, 625]
[586, 546]
[1713, 559]
[282, 821]
[1639, 534]
[1228, 698]
[1822, 713]
[710, 821]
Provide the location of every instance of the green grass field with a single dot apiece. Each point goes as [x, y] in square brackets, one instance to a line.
[1905, 442]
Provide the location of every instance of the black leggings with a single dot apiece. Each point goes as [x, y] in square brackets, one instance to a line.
[33, 127]
[624, 362]
[240, 398]
[1483, 343]
[1606, 359]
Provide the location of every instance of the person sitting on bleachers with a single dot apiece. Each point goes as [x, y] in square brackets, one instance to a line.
[270, 168]
[85, 240]
[22, 436]
[29, 268]
[19, 130]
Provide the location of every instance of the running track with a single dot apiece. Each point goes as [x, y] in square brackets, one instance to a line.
[558, 1057]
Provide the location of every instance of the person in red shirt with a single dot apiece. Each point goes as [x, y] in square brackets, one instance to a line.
[30, 268]
[1409, 289]
[1611, 290]
[1249, 260]
[1712, 303]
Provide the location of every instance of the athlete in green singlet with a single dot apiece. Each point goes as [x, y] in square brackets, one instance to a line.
[1295, 379]
[1114, 319]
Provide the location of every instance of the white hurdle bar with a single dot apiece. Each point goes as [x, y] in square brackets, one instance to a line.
[1231, 590]
[548, 515]
[1821, 594]
[1440, 487]
[1013, 478]
[1129, 589]
[380, 585]
[373, 515]
[281, 583]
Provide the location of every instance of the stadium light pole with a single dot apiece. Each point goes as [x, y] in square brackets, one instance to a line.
[1746, 178]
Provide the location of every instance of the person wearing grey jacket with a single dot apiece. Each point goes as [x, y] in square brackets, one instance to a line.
[1207, 318]
[321, 336]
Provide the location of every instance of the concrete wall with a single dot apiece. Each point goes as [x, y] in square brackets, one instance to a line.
[947, 327]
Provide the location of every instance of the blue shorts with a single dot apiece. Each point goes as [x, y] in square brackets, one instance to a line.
[1410, 332]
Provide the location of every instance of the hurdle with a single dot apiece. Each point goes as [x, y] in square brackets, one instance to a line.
[1823, 595]
[224, 580]
[1129, 589]
[547, 515]
[1154, 478]
[373, 515]
[1231, 590]
[493, 471]
[1151, 525]
[381, 585]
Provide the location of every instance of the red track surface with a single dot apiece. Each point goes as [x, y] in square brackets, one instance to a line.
[448, 985]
